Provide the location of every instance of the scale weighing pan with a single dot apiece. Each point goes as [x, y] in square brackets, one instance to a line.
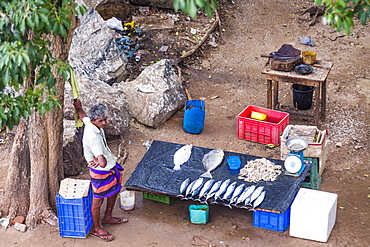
[296, 144]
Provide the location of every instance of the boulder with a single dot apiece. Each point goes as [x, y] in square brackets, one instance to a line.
[164, 4]
[155, 95]
[98, 92]
[73, 159]
[94, 52]
[113, 8]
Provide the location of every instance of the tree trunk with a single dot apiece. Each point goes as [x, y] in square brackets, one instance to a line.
[36, 166]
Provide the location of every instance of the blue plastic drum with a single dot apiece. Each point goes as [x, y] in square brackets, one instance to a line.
[194, 116]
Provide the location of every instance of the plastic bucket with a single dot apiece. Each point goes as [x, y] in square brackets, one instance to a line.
[199, 214]
[194, 116]
[127, 200]
[302, 96]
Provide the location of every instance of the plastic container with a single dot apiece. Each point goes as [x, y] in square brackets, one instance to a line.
[271, 221]
[194, 116]
[127, 200]
[308, 57]
[199, 214]
[302, 96]
[234, 162]
[267, 131]
[313, 214]
[158, 198]
[74, 216]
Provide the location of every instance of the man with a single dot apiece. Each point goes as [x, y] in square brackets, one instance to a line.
[106, 177]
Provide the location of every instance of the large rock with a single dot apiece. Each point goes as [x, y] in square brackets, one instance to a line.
[73, 159]
[97, 92]
[164, 4]
[155, 95]
[113, 8]
[94, 52]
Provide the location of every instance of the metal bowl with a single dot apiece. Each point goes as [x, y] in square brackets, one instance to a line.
[296, 144]
[303, 69]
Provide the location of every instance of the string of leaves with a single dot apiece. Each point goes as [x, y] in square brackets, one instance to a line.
[25, 53]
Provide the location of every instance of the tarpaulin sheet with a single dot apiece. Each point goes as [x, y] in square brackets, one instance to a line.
[155, 174]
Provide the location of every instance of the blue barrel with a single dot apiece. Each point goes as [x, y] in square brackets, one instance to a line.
[194, 116]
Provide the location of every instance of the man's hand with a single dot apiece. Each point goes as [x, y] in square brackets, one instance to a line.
[93, 163]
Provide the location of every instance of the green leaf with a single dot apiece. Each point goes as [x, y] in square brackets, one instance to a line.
[30, 23]
[44, 19]
[63, 31]
[192, 9]
[200, 3]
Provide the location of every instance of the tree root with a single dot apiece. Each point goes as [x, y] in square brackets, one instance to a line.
[41, 215]
[216, 23]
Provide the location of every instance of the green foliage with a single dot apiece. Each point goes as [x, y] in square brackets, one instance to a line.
[340, 13]
[24, 52]
[191, 6]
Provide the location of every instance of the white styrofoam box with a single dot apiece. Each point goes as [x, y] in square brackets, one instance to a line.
[313, 214]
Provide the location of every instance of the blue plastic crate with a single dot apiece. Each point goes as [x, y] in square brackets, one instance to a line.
[74, 216]
[271, 221]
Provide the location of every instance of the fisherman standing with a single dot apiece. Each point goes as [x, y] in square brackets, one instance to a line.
[105, 172]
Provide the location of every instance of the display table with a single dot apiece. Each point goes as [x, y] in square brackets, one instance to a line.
[317, 79]
[155, 174]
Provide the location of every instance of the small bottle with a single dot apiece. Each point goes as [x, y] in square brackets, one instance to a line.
[138, 57]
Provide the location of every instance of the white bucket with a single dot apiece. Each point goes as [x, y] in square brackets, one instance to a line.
[127, 200]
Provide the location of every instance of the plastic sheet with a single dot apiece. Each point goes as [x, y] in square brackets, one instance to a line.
[155, 174]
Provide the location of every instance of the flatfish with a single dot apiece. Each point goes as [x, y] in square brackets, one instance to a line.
[211, 161]
[181, 156]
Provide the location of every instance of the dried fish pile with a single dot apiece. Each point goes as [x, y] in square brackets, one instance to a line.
[260, 169]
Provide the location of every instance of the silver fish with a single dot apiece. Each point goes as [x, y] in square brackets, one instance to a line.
[246, 193]
[196, 185]
[206, 187]
[222, 189]
[237, 192]
[181, 156]
[255, 194]
[183, 186]
[213, 190]
[229, 191]
[196, 189]
[259, 200]
[211, 161]
[188, 189]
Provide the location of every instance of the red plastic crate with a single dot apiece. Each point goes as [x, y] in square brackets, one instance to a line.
[267, 131]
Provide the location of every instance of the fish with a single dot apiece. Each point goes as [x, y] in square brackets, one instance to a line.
[222, 189]
[197, 187]
[237, 192]
[259, 200]
[211, 161]
[229, 191]
[206, 187]
[255, 194]
[188, 189]
[197, 183]
[213, 190]
[246, 193]
[181, 156]
[183, 186]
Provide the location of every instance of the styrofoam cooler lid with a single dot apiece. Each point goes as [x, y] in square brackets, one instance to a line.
[74, 188]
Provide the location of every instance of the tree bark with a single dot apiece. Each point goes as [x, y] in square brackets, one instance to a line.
[36, 166]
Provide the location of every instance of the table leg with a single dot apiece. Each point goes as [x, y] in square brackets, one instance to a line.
[276, 94]
[317, 106]
[269, 94]
[323, 101]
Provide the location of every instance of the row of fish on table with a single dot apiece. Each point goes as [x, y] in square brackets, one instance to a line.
[225, 192]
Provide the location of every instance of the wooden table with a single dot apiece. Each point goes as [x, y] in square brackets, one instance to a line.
[155, 174]
[317, 79]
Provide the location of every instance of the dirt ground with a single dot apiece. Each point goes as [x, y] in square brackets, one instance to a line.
[228, 78]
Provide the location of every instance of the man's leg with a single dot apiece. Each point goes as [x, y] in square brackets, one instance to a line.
[108, 218]
[97, 231]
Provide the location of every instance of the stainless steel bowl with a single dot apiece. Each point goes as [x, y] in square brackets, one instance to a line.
[296, 144]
